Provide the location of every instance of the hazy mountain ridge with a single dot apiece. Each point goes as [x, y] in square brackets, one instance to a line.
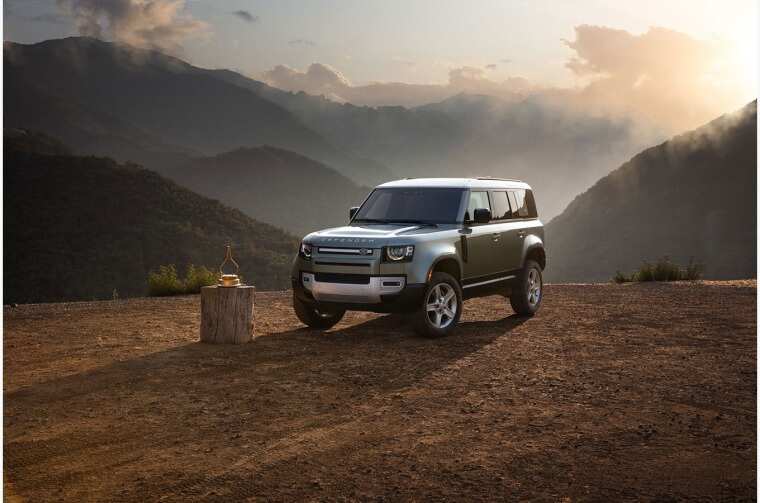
[169, 99]
[692, 196]
[88, 132]
[559, 151]
[274, 185]
[78, 228]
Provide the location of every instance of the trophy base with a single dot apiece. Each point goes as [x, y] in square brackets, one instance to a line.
[229, 281]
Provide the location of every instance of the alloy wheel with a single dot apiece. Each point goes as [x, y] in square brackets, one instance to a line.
[441, 305]
[534, 287]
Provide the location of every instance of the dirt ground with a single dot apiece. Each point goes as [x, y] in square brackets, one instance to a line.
[612, 392]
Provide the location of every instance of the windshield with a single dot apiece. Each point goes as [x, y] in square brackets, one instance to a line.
[411, 205]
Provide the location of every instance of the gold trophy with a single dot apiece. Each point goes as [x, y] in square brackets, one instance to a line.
[229, 280]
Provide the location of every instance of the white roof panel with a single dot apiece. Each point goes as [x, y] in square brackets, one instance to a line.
[466, 183]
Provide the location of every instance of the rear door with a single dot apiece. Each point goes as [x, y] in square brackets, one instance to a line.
[522, 222]
[481, 246]
[509, 243]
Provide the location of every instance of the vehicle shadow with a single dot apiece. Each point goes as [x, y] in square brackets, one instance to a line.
[385, 347]
[262, 391]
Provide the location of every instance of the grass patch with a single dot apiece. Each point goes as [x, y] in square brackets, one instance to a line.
[165, 281]
[663, 270]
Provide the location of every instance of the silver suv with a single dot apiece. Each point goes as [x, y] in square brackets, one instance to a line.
[423, 246]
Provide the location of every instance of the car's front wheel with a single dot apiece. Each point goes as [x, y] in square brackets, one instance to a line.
[441, 306]
[529, 290]
[312, 316]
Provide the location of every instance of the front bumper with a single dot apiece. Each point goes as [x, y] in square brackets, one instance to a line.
[379, 299]
[364, 293]
[334, 277]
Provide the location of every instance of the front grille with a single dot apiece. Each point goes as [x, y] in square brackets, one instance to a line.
[334, 277]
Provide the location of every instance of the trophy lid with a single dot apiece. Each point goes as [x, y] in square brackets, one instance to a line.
[228, 279]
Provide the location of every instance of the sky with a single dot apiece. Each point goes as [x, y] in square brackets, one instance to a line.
[334, 47]
[410, 41]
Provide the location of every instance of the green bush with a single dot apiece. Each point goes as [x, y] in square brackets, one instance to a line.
[621, 277]
[198, 277]
[645, 273]
[166, 282]
[693, 271]
[663, 270]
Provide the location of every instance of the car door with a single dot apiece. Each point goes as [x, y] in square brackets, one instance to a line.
[481, 247]
[506, 232]
[514, 234]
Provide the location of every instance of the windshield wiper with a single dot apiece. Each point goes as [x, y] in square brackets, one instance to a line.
[371, 221]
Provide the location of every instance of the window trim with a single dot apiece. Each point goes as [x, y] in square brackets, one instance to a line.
[471, 223]
[509, 201]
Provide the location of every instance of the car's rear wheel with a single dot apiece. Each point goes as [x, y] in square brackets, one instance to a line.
[441, 306]
[312, 316]
[529, 290]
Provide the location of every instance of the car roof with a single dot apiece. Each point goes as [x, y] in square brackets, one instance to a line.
[463, 183]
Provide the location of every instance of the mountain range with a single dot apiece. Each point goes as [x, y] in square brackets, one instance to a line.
[277, 186]
[82, 227]
[560, 152]
[297, 162]
[692, 197]
[144, 106]
[145, 100]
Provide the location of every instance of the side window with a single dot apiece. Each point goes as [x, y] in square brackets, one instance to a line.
[513, 203]
[477, 200]
[531, 202]
[500, 206]
[520, 209]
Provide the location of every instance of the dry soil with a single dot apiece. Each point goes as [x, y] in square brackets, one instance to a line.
[612, 392]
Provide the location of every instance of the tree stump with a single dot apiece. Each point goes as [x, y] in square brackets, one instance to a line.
[227, 314]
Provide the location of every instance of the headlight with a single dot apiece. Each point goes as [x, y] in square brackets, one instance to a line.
[399, 253]
[305, 251]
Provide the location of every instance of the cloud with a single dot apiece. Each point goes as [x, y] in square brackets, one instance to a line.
[663, 75]
[154, 24]
[301, 42]
[402, 61]
[49, 18]
[246, 16]
[318, 79]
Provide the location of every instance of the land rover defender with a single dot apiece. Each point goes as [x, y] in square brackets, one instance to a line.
[423, 246]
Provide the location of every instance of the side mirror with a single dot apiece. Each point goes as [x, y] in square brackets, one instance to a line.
[352, 211]
[482, 215]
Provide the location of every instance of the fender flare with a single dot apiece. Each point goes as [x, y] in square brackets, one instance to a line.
[441, 258]
[533, 244]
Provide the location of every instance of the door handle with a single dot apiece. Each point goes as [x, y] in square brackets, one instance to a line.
[521, 234]
[495, 236]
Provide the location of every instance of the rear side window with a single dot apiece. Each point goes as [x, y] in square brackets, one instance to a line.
[523, 203]
[500, 206]
[477, 200]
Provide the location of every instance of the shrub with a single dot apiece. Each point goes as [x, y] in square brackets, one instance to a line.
[165, 282]
[645, 273]
[663, 270]
[693, 271]
[198, 277]
[621, 277]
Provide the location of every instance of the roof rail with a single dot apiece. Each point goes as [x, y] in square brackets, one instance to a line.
[497, 178]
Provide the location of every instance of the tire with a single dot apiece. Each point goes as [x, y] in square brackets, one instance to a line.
[438, 321]
[311, 316]
[529, 290]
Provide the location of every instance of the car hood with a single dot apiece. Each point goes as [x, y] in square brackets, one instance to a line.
[366, 235]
